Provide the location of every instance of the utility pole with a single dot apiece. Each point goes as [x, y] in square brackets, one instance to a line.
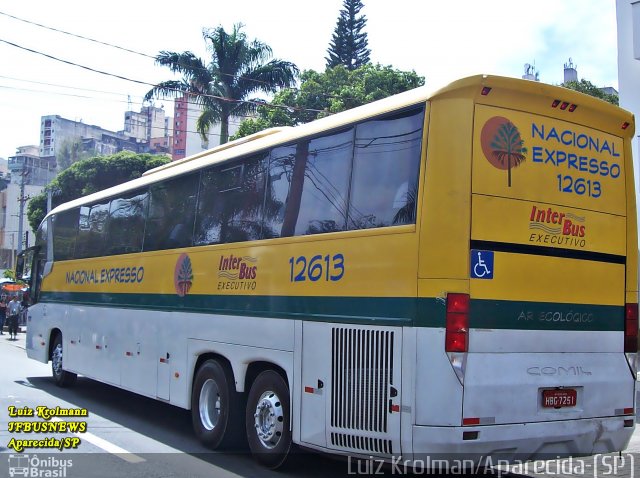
[21, 200]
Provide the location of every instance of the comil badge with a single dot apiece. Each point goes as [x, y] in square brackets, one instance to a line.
[502, 145]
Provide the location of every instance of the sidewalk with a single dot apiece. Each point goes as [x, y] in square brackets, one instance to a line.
[22, 332]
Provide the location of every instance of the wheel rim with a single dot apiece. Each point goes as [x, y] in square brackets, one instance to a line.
[269, 419]
[209, 404]
[56, 360]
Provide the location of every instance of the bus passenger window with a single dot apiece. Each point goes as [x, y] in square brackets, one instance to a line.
[92, 230]
[126, 223]
[385, 171]
[316, 180]
[231, 201]
[171, 213]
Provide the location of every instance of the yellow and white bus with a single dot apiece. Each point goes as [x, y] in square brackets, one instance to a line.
[448, 272]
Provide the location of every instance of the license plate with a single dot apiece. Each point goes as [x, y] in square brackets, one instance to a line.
[559, 398]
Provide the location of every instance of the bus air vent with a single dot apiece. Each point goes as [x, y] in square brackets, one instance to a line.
[362, 374]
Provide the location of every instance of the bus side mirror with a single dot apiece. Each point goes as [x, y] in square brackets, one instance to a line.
[20, 266]
[24, 263]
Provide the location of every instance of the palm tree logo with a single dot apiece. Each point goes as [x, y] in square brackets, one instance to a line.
[183, 275]
[503, 145]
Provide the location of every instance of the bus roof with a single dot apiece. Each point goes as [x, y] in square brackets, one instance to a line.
[470, 87]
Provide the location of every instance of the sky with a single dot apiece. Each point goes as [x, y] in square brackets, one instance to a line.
[441, 40]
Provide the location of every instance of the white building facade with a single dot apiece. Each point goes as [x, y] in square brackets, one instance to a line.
[628, 19]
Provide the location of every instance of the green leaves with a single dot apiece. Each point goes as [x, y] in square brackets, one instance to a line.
[348, 46]
[237, 69]
[586, 87]
[334, 90]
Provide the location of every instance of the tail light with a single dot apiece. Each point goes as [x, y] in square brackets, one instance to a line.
[631, 328]
[457, 323]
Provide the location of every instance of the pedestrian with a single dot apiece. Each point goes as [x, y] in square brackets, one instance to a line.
[13, 311]
[24, 305]
[3, 313]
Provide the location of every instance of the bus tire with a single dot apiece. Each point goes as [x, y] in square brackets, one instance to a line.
[216, 408]
[61, 377]
[268, 419]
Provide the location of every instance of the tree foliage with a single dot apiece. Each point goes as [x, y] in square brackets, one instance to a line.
[585, 86]
[238, 68]
[91, 175]
[337, 89]
[348, 46]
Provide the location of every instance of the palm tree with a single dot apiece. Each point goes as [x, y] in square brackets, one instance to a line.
[238, 68]
[508, 145]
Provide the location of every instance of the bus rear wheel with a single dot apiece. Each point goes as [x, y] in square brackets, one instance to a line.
[268, 419]
[60, 376]
[216, 408]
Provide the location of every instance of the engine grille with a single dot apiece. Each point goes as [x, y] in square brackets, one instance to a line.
[362, 372]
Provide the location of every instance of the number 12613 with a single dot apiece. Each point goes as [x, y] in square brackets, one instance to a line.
[319, 267]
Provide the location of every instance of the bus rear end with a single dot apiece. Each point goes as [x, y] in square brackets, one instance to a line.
[543, 342]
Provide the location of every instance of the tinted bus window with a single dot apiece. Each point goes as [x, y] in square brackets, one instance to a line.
[172, 207]
[385, 171]
[231, 201]
[92, 229]
[126, 223]
[65, 230]
[316, 183]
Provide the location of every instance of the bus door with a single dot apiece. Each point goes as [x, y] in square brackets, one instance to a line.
[350, 390]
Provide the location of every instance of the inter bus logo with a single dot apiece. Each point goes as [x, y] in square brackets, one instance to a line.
[502, 144]
[183, 275]
[557, 228]
[234, 268]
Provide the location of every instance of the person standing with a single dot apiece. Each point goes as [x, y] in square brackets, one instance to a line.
[13, 311]
[3, 313]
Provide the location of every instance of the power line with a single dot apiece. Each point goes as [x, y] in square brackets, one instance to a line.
[77, 36]
[122, 48]
[205, 95]
[327, 95]
[60, 86]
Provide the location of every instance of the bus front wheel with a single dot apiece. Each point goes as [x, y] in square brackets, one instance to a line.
[216, 408]
[60, 376]
[267, 419]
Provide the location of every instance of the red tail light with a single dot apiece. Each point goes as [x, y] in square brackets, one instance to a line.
[457, 328]
[631, 328]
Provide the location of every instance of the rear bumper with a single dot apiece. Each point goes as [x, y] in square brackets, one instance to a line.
[521, 442]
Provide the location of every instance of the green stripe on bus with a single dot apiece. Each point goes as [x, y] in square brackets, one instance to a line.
[399, 311]
[501, 314]
[371, 310]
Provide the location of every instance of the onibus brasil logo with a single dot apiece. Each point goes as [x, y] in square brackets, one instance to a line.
[502, 145]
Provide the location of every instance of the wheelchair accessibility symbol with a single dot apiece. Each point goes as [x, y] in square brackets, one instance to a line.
[481, 264]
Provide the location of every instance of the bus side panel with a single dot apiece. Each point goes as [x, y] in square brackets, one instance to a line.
[446, 211]
[438, 397]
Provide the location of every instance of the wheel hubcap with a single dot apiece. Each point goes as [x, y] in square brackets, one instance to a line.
[209, 404]
[56, 360]
[269, 419]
